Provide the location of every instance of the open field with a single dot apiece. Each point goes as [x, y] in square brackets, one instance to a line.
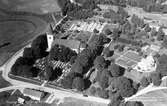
[68, 101]
[16, 32]
[36, 6]
[3, 83]
[155, 98]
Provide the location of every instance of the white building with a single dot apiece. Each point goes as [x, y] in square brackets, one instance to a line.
[50, 39]
[34, 94]
[147, 64]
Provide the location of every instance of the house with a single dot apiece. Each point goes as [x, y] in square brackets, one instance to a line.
[34, 94]
[73, 44]
[13, 99]
[147, 64]
[21, 100]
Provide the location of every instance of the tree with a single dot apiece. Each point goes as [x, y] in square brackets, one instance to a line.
[162, 66]
[67, 82]
[72, 60]
[48, 73]
[115, 70]
[107, 52]
[156, 78]
[122, 12]
[136, 20]
[23, 67]
[92, 90]
[115, 100]
[133, 103]
[126, 28]
[61, 53]
[89, 4]
[104, 78]
[160, 34]
[153, 32]
[108, 32]
[164, 42]
[102, 93]
[144, 82]
[28, 53]
[116, 33]
[99, 62]
[40, 42]
[123, 86]
[77, 67]
[78, 83]
[95, 31]
[147, 28]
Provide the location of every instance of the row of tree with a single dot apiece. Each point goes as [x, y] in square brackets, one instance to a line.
[148, 5]
[117, 17]
[112, 83]
[83, 62]
[61, 53]
[24, 65]
[76, 11]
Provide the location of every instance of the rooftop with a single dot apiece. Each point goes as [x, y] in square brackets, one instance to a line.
[73, 44]
[128, 59]
[33, 93]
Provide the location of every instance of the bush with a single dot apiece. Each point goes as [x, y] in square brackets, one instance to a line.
[99, 62]
[107, 52]
[78, 83]
[92, 90]
[144, 82]
[116, 70]
[61, 53]
[104, 78]
[102, 93]
[123, 86]
[28, 53]
[156, 78]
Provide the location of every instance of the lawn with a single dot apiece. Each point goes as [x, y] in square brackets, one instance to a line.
[35, 6]
[69, 101]
[3, 82]
[154, 98]
[16, 32]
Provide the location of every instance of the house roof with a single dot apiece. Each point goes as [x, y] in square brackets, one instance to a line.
[73, 44]
[14, 97]
[33, 93]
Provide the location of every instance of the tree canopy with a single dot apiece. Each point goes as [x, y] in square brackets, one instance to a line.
[99, 62]
[123, 86]
[78, 83]
[61, 53]
[115, 70]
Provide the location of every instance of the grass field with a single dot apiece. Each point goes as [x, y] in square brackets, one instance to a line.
[155, 98]
[3, 83]
[36, 6]
[68, 101]
[16, 32]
